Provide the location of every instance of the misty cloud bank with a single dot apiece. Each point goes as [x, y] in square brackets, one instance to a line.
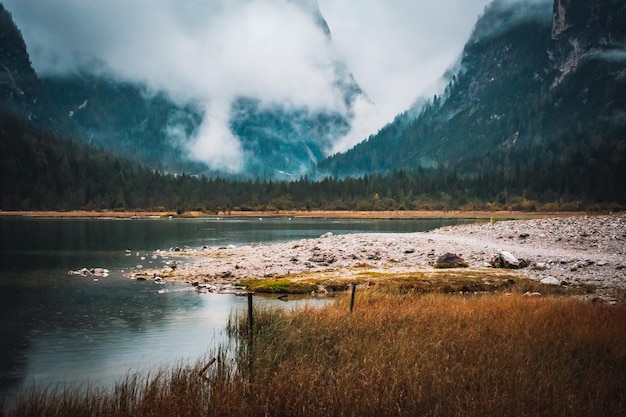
[208, 53]
[211, 52]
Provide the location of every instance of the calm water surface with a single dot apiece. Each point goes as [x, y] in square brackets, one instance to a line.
[64, 330]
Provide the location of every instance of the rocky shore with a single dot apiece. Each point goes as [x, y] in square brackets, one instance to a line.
[575, 250]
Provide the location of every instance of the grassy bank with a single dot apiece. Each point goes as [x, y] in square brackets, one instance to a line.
[440, 281]
[395, 355]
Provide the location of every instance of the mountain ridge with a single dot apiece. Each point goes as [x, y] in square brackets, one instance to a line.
[517, 92]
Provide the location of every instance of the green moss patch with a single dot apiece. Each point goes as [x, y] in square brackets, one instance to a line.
[279, 286]
[471, 280]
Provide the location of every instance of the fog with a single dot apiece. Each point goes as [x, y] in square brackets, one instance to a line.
[210, 52]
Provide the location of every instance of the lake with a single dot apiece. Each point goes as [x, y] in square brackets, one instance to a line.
[61, 330]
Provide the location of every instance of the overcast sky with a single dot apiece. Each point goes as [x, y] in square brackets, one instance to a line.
[214, 50]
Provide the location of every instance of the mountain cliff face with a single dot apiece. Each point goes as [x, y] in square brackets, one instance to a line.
[537, 82]
[585, 29]
[20, 89]
[124, 119]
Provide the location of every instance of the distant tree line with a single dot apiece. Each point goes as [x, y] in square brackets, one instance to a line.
[43, 172]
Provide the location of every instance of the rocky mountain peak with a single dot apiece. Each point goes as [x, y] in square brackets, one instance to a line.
[312, 7]
[599, 21]
[20, 89]
[583, 29]
[559, 21]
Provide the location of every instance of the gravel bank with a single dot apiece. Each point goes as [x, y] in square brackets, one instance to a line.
[572, 250]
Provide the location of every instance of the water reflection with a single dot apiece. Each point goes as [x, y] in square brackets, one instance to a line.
[62, 329]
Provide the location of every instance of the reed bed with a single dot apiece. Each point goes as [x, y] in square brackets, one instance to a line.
[395, 355]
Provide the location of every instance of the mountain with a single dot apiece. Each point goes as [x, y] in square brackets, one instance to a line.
[119, 117]
[285, 143]
[282, 142]
[20, 88]
[124, 119]
[536, 110]
[541, 93]
[131, 120]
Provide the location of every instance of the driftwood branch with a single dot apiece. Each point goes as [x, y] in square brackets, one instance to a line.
[204, 369]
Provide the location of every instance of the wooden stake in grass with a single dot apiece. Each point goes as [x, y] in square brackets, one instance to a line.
[204, 369]
[250, 342]
[250, 315]
[352, 297]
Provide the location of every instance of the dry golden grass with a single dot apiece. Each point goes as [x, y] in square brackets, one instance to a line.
[395, 355]
[442, 355]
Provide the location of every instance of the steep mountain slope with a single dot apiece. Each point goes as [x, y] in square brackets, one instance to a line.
[539, 82]
[20, 89]
[124, 119]
[116, 116]
[283, 142]
[277, 140]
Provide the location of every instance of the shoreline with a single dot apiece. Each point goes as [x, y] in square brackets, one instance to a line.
[572, 249]
[575, 251]
[305, 214]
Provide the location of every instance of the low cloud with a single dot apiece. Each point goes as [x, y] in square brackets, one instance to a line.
[397, 51]
[207, 52]
[210, 52]
[611, 55]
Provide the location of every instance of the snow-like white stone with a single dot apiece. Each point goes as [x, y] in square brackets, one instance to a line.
[550, 280]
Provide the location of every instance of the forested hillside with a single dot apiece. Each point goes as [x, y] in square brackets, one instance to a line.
[20, 89]
[43, 172]
[124, 119]
[536, 109]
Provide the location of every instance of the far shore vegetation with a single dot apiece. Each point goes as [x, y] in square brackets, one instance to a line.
[302, 214]
[400, 352]
[41, 171]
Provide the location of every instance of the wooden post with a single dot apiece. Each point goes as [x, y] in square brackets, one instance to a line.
[250, 315]
[250, 344]
[203, 370]
[352, 297]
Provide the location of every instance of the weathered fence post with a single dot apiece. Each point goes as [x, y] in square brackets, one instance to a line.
[250, 344]
[352, 297]
[250, 315]
[205, 368]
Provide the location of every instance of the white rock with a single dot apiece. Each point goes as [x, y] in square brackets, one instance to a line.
[509, 258]
[550, 281]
